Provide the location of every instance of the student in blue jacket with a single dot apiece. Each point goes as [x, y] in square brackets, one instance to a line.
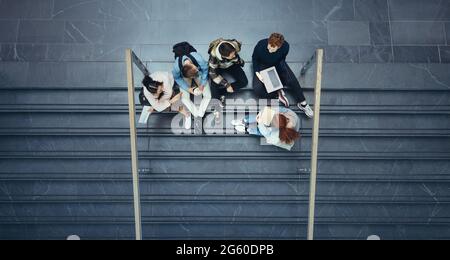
[190, 72]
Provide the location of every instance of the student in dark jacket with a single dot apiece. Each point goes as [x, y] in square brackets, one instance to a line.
[272, 52]
[225, 59]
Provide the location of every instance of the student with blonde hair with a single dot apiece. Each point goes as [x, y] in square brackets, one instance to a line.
[190, 72]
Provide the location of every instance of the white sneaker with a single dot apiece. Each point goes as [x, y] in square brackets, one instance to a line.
[217, 117]
[188, 122]
[222, 101]
[240, 129]
[237, 123]
[307, 110]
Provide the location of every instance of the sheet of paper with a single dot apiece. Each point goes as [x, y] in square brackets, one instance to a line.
[145, 115]
[267, 116]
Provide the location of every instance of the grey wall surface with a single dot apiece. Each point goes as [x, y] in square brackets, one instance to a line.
[384, 154]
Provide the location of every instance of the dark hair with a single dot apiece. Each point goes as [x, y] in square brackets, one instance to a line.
[226, 49]
[152, 85]
[190, 71]
[287, 135]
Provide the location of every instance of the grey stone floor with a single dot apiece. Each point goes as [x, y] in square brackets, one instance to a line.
[354, 31]
[384, 164]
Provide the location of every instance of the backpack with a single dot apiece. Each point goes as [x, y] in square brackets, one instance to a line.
[184, 49]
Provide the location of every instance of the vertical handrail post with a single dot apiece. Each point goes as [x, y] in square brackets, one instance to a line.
[133, 139]
[315, 145]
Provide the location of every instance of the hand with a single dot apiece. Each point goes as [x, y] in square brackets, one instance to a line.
[191, 90]
[198, 92]
[151, 110]
[260, 77]
[230, 89]
[175, 99]
[202, 88]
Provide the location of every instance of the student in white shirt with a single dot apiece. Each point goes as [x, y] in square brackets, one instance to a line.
[159, 94]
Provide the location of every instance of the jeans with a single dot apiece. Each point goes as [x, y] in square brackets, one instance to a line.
[206, 99]
[252, 125]
[288, 79]
[240, 81]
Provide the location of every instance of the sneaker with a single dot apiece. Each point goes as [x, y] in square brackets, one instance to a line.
[188, 122]
[240, 129]
[237, 123]
[283, 99]
[307, 109]
[217, 118]
[222, 101]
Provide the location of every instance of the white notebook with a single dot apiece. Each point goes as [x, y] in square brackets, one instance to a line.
[145, 115]
[271, 79]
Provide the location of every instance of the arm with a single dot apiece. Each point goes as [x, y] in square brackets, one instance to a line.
[266, 116]
[285, 49]
[178, 78]
[204, 69]
[266, 131]
[255, 60]
[158, 105]
[286, 52]
[215, 77]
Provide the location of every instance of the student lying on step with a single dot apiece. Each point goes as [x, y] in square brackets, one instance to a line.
[280, 126]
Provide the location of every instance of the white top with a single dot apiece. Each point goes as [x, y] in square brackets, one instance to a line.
[272, 134]
[163, 103]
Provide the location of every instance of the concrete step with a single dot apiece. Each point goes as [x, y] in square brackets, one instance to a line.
[176, 144]
[186, 168]
[112, 75]
[433, 189]
[233, 211]
[118, 98]
[222, 231]
[378, 120]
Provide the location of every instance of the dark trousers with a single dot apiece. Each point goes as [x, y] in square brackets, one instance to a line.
[287, 78]
[240, 81]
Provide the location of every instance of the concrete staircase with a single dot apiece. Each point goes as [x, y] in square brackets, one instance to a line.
[384, 160]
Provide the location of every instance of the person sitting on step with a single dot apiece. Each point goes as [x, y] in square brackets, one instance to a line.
[225, 62]
[272, 52]
[190, 71]
[159, 92]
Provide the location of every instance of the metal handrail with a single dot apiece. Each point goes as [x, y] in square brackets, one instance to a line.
[131, 59]
[318, 56]
[308, 64]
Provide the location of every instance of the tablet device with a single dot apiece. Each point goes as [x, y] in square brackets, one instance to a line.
[271, 79]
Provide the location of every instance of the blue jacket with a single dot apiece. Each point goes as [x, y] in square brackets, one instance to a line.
[203, 71]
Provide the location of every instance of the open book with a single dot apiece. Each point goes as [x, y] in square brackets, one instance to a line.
[271, 80]
[266, 116]
[145, 115]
